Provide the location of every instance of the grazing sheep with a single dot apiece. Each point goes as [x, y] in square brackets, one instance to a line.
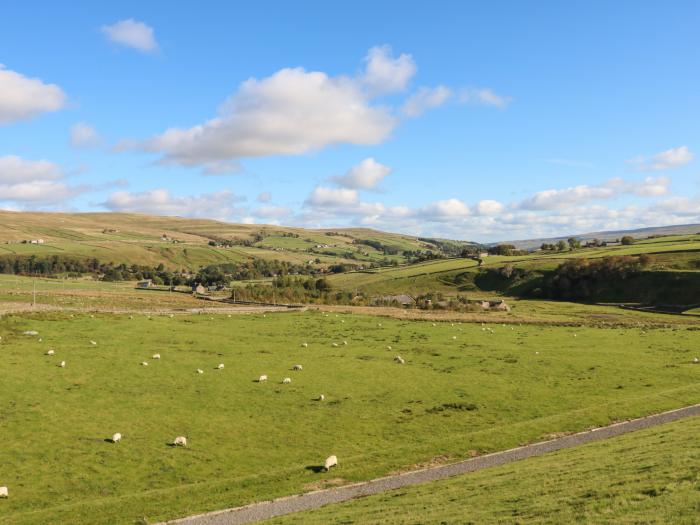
[399, 359]
[156, 356]
[297, 367]
[334, 344]
[696, 360]
[144, 363]
[379, 325]
[388, 347]
[116, 437]
[4, 493]
[50, 352]
[345, 343]
[262, 378]
[220, 367]
[40, 340]
[321, 397]
[93, 343]
[62, 364]
[331, 461]
[454, 337]
[286, 380]
[305, 345]
[200, 371]
[31, 332]
[180, 441]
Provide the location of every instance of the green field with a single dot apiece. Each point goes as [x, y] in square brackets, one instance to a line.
[650, 476]
[463, 390]
[137, 239]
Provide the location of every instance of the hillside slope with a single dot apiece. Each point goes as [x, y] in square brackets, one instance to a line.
[190, 243]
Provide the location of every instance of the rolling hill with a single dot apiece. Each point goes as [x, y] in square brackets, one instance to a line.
[179, 243]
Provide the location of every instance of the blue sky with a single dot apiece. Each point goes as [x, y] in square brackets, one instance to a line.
[469, 120]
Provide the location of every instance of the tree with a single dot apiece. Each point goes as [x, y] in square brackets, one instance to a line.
[573, 243]
[627, 240]
[561, 246]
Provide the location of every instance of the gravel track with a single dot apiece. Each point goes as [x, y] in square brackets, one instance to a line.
[313, 500]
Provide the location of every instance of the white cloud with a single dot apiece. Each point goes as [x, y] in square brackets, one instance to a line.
[444, 209]
[218, 205]
[83, 135]
[33, 181]
[365, 175]
[666, 160]
[385, 74]
[426, 98]
[328, 197]
[553, 199]
[489, 207]
[132, 33]
[272, 211]
[22, 98]
[483, 97]
[289, 113]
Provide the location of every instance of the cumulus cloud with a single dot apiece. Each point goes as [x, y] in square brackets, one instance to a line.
[483, 97]
[218, 205]
[22, 98]
[133, 34]
[292, 112]
[489, 207]
[666, 160]
[444, 209]
[386, 74]
[33, 181]
[365, 175]
[560, 198]
[272, 212]
[328, 197]
[83, 135]
[424, 99]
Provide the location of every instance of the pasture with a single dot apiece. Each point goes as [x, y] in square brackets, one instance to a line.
[464, 389]
[650, 476]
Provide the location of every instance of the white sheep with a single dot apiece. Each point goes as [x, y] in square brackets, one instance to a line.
[297, 367]
[31, 332]
[180, 441]
[116, 438]
[220, 367]
[454, 337]
[144, 363]
[171, 316]
[399, 359]
[304, 345]
[388, 347]
[50, 352]
[262, 378]
[321, 397]
[62, 364]
[41, 340]
[345, 343]
[156, 356]
[331, 461]
[4, 492]
[334, 345]
[696, 360]
[286, 380]
[200, 371]
[93, 343]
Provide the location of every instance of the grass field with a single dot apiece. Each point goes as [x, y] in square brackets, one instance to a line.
[462, 391]
[650, 476]
[137, 239]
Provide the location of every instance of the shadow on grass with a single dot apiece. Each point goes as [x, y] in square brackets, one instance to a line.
[316, 469]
